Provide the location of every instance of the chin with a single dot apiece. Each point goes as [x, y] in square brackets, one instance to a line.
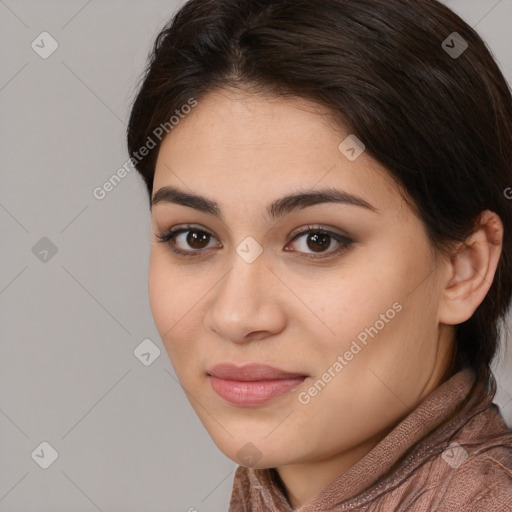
[253, 450]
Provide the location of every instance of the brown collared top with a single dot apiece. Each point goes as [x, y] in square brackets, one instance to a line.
[452, 453]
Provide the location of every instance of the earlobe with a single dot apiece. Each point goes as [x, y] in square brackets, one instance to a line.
[471, 270]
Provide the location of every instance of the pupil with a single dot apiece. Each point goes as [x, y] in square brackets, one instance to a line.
[193, 237]
[324, 237]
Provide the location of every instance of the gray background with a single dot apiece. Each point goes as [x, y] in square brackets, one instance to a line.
[127, 438]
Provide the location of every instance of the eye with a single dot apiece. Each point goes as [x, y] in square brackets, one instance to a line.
[318, 240]
[195, 238]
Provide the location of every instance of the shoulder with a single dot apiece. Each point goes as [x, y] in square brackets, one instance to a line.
[475, 468]
[469, 470]
[482, 482]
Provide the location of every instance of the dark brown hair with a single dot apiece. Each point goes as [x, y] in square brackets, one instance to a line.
[440, 123]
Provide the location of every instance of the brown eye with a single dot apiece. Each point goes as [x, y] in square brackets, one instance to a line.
[316, 242]
[186, 241]
[190, 241]
[196, 239]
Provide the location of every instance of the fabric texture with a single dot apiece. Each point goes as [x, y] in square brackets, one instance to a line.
[417, 467]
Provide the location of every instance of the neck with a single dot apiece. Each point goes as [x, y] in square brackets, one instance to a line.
[301, 482]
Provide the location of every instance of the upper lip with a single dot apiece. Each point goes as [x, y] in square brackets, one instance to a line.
[251, 372]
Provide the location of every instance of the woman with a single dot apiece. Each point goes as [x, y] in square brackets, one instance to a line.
[331, 260]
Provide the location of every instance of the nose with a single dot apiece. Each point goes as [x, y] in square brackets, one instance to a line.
[247, 303]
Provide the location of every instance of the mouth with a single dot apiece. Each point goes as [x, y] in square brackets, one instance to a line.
[252, 384]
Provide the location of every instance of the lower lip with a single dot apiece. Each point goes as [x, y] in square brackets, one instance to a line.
[255, 392]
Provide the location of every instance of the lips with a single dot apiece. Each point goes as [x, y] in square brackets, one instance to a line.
[251, 372]
[252, 384]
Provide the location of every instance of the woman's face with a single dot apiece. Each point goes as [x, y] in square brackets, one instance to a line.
[357, 326]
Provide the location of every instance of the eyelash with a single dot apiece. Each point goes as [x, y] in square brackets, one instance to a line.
[170, 235]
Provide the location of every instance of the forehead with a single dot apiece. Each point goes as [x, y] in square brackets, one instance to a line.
[237, 146]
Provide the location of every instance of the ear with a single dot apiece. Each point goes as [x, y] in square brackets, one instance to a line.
[471, 270]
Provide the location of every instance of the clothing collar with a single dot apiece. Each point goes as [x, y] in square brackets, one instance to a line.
[423, 430]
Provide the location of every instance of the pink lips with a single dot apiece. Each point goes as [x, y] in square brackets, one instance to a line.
[252, 384]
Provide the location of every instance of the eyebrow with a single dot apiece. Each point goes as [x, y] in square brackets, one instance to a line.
[275, 210]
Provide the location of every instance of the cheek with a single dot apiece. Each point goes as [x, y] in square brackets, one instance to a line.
[349, 302]
[157, 284]
[175, 309]
[165, 297]
[364, 317]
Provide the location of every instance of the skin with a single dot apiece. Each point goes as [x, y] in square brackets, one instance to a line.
[244, 151]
